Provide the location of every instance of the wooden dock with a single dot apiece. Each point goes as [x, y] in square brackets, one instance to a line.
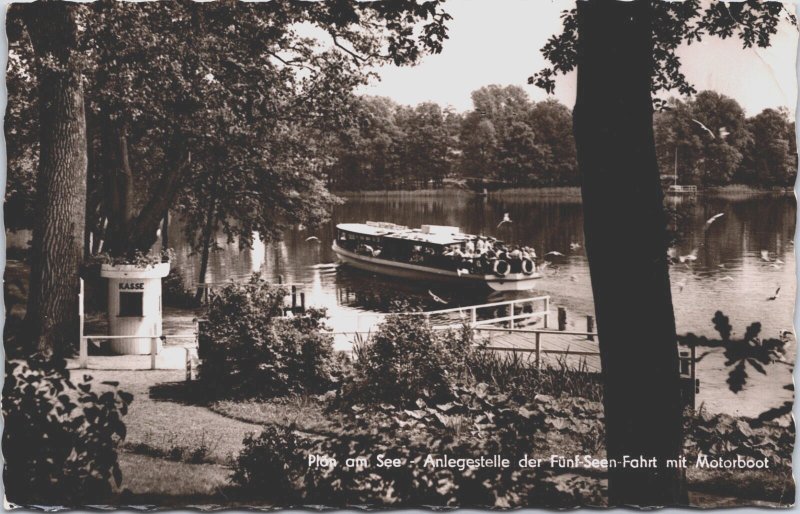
[544, 347]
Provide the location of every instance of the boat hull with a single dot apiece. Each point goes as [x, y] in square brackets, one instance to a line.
[511, 282]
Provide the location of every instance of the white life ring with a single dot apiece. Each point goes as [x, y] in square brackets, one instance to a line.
[501, 268]
[528, 267]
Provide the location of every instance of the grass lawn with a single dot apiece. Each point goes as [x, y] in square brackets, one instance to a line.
[305, 414]
[149, 480]
[163, 417]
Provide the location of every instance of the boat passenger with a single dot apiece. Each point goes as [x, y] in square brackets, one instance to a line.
[470, 247]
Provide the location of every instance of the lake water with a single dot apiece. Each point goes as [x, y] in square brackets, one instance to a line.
[729, 274]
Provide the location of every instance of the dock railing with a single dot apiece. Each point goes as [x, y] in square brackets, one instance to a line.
[530, 341]
[537, 348]
[516, 313]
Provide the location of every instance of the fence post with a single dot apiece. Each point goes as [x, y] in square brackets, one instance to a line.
[511, 306]
[562, 319]
[153, 351]
[538, 349]
[474, 316]
[546, 310]
[83, 359]
[590, 327]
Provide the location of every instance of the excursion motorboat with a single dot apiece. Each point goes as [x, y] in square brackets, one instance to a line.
[434, 253]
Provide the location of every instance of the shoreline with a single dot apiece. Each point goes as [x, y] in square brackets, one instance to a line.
[732, 190]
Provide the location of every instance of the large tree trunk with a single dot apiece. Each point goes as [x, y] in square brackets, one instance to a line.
[625, 229]
[118, 189]
[208, 232]
[57, 249]
[144, 228]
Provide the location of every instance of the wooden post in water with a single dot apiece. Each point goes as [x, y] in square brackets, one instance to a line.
[546, 311]
[302, 302]
[280, 279]
[562, 319]
[294, 298]
[538, 349]
[590, 327]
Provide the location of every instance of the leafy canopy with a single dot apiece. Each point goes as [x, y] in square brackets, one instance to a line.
[673, 24]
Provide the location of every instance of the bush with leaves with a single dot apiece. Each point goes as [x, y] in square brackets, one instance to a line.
[270, 466]
[407, 359]
[720, 435]
[60, 436]
[255, 351]
[476, 422]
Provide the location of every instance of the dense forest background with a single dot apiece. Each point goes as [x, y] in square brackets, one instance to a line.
[507, 140]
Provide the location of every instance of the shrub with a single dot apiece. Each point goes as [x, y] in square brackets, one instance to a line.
[174, 291]
[60, 436]
[254, 351]
[513, 373]
[407, 359]
[478, 422]
[271, 466]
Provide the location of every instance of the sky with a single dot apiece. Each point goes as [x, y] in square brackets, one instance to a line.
[500, 45]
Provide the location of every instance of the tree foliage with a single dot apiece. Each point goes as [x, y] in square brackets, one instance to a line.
[711, 142]
[224, 108]
[674, 24]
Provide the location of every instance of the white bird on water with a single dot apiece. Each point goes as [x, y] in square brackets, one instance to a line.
[681, 285]
[574, 246]
[436, 298]
[765, 256]
[506, 219]
[775, 296]
[313, 238]
[690, 258]
[557, 254]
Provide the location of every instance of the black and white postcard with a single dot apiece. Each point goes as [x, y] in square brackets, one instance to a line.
[399, 254]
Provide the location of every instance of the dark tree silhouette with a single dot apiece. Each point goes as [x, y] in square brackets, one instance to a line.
[624, 52]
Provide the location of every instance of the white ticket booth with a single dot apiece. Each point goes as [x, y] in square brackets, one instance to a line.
[134, 306]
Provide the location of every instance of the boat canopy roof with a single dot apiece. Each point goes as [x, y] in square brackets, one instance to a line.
[427, 235]
[367, 230]
[418, 236]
